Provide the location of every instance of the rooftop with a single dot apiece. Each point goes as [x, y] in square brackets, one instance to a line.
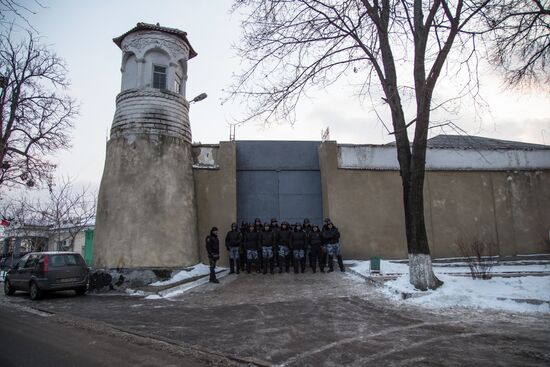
[478, 143]
[157, 27]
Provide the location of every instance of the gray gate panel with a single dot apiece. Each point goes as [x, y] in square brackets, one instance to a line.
[277, 155]
[258, 195]
[300, 196]
[279, 179]
[300, 182]
[294, 208]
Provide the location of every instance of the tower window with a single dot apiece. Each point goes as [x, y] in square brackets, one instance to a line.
[177, 83]
[159, 77]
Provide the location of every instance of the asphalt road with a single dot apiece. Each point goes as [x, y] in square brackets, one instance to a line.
[302, 320]
[37, 339]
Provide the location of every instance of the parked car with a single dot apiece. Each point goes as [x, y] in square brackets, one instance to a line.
[39, 272]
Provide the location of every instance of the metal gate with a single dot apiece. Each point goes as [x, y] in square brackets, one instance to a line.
[278, 179]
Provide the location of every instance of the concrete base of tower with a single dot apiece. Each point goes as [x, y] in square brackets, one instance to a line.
[146, 212]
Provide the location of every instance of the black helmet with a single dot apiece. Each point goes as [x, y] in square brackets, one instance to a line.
[327, 220]
[314, 226]
[234, 225]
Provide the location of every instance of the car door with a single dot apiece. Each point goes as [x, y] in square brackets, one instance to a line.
[17, 273]
[26, 271]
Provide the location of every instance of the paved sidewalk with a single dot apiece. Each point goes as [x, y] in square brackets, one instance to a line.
[317, 320]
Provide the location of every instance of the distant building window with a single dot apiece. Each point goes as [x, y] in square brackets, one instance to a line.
[159, 77]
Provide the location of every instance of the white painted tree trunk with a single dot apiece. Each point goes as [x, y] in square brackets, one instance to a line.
[421, 274]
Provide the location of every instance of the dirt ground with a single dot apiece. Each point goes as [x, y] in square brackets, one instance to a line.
[314, 320]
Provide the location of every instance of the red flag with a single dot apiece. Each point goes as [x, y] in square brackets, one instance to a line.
[5, 223]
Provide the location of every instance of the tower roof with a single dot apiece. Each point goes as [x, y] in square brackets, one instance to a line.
[157, 27]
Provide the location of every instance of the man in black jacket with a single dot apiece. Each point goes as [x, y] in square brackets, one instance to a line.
[298, 244]
[251, 239]
[331, 236]
[267, 245]
[213, 250]
[284, 247]
[233, 241]
[315, 240]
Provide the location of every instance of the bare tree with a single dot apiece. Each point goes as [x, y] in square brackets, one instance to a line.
[35, 114]
[292, 46]
[67, 211]
[11, 10]
[519, 34]
[22, 222]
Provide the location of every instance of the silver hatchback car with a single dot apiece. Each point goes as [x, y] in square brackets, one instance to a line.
[39, 272]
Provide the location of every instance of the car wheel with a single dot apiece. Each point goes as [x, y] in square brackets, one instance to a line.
[80, 291]
[8, 289]
[36, 293]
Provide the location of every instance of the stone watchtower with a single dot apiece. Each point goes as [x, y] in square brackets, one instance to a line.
[146, 213]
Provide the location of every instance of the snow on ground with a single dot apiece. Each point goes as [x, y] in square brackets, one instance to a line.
[506, 294]
[181, 289]
[196, 270]
[390, 267]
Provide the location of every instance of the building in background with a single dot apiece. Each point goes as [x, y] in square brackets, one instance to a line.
[159, 195]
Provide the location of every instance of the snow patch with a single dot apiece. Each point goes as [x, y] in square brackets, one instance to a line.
[196, 270]
[517, 294]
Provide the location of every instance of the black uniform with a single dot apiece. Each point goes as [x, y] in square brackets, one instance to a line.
[331, 236]
[233, 241]
[307, 227]
[213, 250]
[242, 251]
[284, 242]
[298, 242]
[316, 244]
[267, 246]
[275, 228]
[251, 239]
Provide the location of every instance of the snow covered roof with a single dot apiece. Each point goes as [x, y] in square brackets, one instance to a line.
[157, 27]
[467, 142]
[480, 143]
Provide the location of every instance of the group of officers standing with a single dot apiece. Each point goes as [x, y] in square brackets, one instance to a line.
[268, 245]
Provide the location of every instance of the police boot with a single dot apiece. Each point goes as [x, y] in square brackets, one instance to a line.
[296, 266]
[272, 266]
[248, 266]
[330, 264]
[287, 265]
[265, 266]
[213, 277]
[258, 266]
[280, 264]
[232, 266]
[303, 263]
[237, 266]
[341, 263]
[314, 265]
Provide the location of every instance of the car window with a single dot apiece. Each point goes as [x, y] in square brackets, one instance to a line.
[65, 260]
[31, 262]
[22, 261]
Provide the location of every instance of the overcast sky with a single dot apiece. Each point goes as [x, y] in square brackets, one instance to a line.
[81, 32]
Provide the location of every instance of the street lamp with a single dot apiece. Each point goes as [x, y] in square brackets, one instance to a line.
[199, 98]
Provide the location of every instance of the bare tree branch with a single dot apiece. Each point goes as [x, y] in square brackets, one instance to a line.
[35, 114]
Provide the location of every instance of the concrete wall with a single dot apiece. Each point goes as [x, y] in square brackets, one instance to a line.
[146, 206]
[507, 208]
[215, 171]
